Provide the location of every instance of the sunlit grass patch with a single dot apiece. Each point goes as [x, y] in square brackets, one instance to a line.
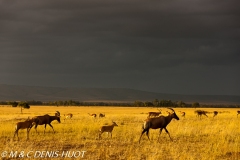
[193, 138]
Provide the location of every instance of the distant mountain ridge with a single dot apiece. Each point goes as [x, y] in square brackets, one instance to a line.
[45, 94]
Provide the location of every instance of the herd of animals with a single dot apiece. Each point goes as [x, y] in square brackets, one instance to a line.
[47, 119]
[153, 121]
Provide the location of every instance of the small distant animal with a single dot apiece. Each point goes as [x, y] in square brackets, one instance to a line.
[93, 115]
[200, 113]
[28, 124]
[101, 115]
[215, 113]
[183, 114]
[238, 112]
[107, 128]
[68, 116]
[154, 114]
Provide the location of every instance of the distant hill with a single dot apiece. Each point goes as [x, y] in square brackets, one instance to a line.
[45, 94]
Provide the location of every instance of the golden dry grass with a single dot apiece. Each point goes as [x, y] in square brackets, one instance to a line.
[207, 138]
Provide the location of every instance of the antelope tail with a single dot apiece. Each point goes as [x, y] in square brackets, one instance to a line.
[146, 125]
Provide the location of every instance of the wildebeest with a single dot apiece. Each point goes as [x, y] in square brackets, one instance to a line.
[158, 122]
[46, 119]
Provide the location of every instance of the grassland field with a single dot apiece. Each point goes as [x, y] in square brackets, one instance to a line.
[207, 138]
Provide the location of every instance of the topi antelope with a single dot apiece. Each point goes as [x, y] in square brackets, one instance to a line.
[24, 125]
[46, 119]
[158, 122]
[200, 113]
[238, 112]
[107, 128]
[68, 116]
[101, 115]
[215, 113]
[93, 115]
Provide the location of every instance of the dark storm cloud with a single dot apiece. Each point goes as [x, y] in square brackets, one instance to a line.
[122, 44]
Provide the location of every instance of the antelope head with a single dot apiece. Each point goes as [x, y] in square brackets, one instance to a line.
[57, 114]
[173, 114]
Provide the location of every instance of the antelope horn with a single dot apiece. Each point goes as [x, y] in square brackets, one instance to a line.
[171, 109]
[58, 113]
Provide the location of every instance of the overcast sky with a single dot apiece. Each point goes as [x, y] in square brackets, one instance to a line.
[169, 46]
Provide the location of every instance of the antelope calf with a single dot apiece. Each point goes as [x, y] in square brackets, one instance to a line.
[68, 116]
[28, 124]
[107, 128]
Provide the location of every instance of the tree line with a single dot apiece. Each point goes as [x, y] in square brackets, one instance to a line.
[154, 103]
